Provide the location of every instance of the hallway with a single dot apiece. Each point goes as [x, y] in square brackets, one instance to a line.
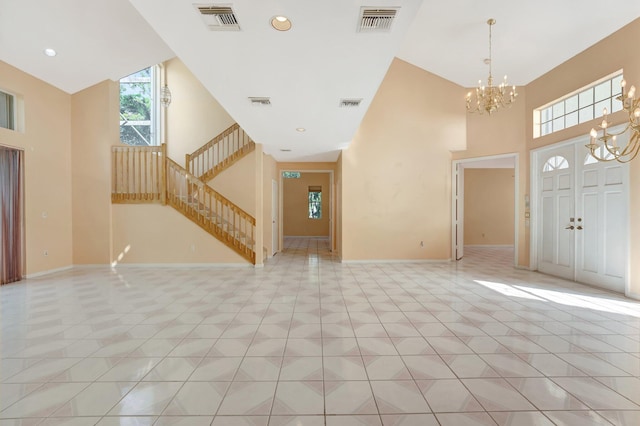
[307, 340]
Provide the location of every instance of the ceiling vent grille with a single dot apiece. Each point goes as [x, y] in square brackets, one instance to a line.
[260, 101]
[376, 20]
[350, 103]
[218, 18]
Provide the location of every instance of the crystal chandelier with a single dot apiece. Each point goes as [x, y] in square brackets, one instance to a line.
[489, 98]
[605, 147]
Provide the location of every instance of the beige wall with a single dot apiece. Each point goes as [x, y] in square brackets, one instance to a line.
[94, 130]
[194, 116]
[46, 141]
[488, 206]
[238, 183]
[151, 233]
[396, 174]
[295, 193]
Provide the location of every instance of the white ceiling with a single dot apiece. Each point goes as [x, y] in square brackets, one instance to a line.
[307, 70]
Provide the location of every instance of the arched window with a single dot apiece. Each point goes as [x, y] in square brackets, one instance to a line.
[557, 162]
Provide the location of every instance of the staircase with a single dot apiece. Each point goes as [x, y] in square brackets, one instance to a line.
[147, 175]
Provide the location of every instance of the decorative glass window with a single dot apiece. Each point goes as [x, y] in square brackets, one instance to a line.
[7, 111]
[291, 175]
[581, 106]
[556, 162]
[139, 109]
[315, 202]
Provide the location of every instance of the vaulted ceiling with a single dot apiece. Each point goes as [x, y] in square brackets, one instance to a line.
[307, 70]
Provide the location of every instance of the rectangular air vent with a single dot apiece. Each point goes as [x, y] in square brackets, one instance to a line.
[260, 101]
[376, 20]
[218, 18]
[350, 103]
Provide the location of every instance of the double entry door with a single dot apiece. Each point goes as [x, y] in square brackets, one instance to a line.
[582, 228]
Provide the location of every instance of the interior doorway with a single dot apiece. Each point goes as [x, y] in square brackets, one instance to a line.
[484, 215]
[11, 215]
[302, 193]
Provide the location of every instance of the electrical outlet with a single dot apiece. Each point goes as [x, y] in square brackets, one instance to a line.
[193, 247]
[421, 243]
[46, 253]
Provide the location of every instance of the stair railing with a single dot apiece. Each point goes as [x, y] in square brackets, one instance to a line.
[219, 153]
[138, 174]
[146, 175]
[210, 210]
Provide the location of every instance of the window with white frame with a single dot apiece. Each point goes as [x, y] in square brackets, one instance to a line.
[581, 106]
[139, 107]
[7, 111]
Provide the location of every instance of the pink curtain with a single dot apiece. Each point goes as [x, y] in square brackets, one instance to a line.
[10, 215]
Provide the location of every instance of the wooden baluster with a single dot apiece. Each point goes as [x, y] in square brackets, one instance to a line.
[163, 174]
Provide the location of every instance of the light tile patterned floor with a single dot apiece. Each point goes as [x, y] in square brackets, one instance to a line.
[309, 341]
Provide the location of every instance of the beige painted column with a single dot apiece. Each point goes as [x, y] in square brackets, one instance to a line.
[259, 205]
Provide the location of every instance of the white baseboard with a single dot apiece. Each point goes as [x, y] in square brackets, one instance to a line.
[364, 262]
[50, 271]
[182, 265]
[489, 246]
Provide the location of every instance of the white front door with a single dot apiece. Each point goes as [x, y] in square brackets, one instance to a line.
[601, 223]
[556, 239]
[275, 207]
[583, 208]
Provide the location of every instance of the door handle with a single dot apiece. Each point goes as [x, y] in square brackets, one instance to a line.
[579, 228]
[570, 227]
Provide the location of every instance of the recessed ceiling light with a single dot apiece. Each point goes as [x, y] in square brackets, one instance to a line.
[301, 129]
[281, 23]
[50, 52]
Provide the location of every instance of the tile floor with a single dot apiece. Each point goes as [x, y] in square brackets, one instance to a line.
[309, 341]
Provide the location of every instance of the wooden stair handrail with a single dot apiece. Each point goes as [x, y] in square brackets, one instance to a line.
[219, 153]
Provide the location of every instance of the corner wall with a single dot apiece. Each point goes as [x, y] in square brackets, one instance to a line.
[396, 174]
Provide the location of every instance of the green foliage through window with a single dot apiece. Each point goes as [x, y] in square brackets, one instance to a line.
[137, 109]
[315, 204]
[291, 175]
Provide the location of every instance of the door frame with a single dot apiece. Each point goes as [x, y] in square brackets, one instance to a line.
[275, 207]
[332, 246]
[535, 164]
[455, 165]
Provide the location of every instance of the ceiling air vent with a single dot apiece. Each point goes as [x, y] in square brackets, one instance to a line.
[376, 20]
[350, 103]
[260, 101]
[218, 18]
